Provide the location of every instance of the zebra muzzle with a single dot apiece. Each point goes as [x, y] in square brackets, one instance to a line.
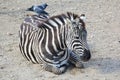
[86, 55]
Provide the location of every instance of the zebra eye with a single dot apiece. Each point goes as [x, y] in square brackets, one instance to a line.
[75, 26]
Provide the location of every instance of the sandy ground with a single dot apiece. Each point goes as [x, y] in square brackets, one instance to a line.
[103, 26]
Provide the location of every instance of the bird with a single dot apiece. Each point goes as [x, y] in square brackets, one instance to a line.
[43, 6]
[39, 9]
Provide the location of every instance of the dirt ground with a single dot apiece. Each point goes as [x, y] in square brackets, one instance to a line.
[103, 26]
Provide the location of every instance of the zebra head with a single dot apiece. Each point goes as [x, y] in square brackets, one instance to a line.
[78, 36]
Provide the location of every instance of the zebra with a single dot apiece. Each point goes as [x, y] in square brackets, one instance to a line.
[55, 42]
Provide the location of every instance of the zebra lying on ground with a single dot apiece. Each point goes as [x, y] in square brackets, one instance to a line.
[55, 41]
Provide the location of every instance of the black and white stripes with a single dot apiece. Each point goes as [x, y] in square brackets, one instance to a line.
[54, 41]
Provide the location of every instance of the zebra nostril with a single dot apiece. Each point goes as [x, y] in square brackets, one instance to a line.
[86, 56]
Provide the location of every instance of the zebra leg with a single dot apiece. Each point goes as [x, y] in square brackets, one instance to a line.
[74, 59]
[58, 70]
[54, 69]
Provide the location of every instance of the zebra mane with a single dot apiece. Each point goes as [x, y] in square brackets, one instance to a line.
[72, 16]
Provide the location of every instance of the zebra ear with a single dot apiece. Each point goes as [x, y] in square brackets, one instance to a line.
[82, 17]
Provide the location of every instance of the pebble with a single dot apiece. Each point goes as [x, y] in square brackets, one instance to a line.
[2, 67]
[9, 34]
[4, 7]
[99, 64]
[119, 41]
[1, 55]
[10, 50]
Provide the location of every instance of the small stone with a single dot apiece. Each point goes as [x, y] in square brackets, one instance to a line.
[4, 7]
[119, 41]
[9, 34]
[86, 75]
[2, 67]
[10, 50]
[99, 64]
[108, 21]
[12, 9]
[1, 55]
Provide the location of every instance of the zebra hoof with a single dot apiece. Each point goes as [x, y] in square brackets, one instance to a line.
[79, 65]
[54, 69]
[59, 71]
[47, 67]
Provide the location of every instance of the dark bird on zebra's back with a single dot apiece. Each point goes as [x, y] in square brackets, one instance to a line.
[39, 9]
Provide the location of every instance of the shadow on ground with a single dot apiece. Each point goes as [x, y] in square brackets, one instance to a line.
[105, 65]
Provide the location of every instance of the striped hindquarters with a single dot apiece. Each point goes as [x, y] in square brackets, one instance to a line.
[27, 35]
[44, 42]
